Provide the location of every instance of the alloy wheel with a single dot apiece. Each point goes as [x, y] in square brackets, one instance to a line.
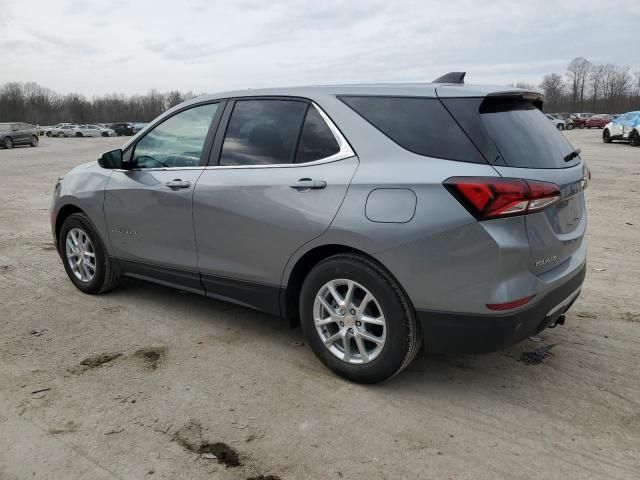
[349, 321]
[81, 255]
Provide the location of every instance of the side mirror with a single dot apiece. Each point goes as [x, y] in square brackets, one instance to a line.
[111, 160]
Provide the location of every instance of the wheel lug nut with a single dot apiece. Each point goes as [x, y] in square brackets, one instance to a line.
[351, 330]
[353, 312]
[342, 324]
[358, 323]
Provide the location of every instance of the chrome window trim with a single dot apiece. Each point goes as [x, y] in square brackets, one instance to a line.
[345, 151]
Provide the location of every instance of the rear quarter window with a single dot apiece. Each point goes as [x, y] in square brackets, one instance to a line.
[420, 125]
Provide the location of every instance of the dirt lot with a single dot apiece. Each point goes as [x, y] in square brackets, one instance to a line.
[223, 376]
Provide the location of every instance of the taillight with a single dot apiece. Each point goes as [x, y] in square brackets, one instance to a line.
[495, 197]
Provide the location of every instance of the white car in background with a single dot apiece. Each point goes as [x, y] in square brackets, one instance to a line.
[559, 123]
[93, 131]
[63, 131]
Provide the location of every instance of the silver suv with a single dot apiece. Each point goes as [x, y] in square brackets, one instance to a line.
[379, 217]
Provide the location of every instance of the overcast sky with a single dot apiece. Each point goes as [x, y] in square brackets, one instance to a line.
[104, 46]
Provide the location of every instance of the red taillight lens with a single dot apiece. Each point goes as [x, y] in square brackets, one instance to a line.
[510, 305]
[494, 197]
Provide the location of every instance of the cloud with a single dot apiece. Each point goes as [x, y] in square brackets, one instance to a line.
[202, 45]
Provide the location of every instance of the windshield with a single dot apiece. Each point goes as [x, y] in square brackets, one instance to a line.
[524, 136]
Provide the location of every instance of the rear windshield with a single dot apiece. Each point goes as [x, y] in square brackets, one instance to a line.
[524, 136]
[420, 125]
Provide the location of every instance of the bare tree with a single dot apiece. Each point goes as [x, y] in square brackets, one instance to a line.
[553, 88]
[578, 73]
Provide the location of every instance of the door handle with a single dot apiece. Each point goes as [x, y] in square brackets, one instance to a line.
[305, 184]
[178, 183]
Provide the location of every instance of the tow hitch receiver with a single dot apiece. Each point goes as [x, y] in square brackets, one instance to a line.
[559, 321]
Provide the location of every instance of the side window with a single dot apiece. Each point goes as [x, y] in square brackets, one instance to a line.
[317, 140]
[262, 132]
[176, 142]
[420, 125]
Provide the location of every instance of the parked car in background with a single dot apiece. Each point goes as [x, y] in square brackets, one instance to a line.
[559, 123]
[67, 130]
[49, 131]
[597, 121]
[584, 115]
[137, 126]
[123, 128]
[625, 127]
[93, 131]
[376, 216]
[578, 121]
[17, 133]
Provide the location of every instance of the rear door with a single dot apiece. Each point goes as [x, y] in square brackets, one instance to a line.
[520, 142]
[278, 174]
[148, 207]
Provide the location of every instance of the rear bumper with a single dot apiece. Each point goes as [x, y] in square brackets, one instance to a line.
[448, 332]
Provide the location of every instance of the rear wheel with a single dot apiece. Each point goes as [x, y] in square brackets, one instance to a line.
[7, 142]
[48, 134]
[560, 126]
[588, 127]
[581, 126]
[570, 126]
[34, 141]
[357, 319]
[606, 136]
[79, 134]
[84, 257]
[634, 139]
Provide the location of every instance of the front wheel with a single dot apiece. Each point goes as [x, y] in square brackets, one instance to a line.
[79, 134]
[34, 141]
[48, 134]
[84, 257]
[634, 139]
[560, 126]
[581, 126]
[606, 136]
[357, 319]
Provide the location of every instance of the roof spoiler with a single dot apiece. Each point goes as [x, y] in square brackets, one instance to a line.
[451, 77]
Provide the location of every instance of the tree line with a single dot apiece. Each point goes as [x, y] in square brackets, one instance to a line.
[590, 87]
[584, 87]
[33, 103]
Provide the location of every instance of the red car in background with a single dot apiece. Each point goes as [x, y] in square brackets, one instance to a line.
[597, 121]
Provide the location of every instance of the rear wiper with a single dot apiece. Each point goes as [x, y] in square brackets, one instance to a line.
[572, 155]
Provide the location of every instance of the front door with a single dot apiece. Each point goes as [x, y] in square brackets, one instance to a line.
[148, 207]
[282, 174]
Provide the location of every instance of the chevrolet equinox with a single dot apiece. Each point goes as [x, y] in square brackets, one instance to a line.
[379, 217]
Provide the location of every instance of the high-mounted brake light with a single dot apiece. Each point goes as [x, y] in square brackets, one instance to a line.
[495, 197]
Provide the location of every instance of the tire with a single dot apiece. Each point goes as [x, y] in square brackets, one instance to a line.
[105, 134]
[34, 141]
[634, 139]
[401, 332]
[606, 136]
[106, 274]
[7, 142]
[589, 128]
[79, 134]
[571, 126]
[560, 126]
[48, 134]
[581, 126]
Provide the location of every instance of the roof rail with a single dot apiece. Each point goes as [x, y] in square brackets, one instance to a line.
[451, 77]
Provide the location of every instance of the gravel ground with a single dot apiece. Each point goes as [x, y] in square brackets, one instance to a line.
[197, 389]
